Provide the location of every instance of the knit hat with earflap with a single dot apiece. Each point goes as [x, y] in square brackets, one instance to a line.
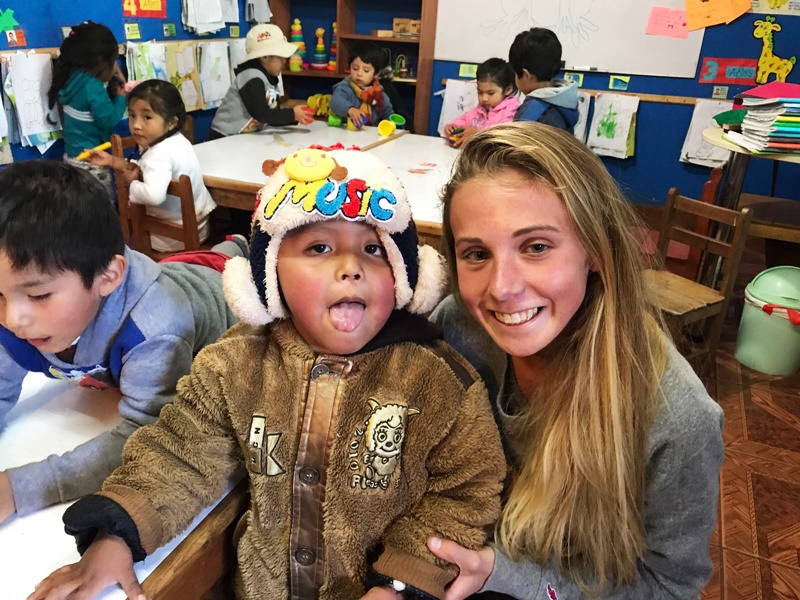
[315, 185]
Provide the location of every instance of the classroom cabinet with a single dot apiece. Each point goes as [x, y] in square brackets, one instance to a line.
[351, 28]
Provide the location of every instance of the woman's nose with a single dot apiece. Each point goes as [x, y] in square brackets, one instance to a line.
[505, 280]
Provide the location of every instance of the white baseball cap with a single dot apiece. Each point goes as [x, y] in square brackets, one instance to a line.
[267, 40]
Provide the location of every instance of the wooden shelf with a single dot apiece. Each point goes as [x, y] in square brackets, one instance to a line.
[377, 38]
[404, 80]
[312, 73]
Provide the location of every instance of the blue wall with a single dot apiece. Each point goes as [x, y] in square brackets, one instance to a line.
[661, 128]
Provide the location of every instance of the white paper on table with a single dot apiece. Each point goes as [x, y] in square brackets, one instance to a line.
[31, 75]
[230, 11]
[695, 149]
[459, 97]
[584, 101]
[611, 123]
[146, 61]
[215, 72]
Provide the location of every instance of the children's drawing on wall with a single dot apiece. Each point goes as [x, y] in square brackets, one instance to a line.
[696, 150]
[31, 75]
[611, 130]
[769, 62]
[237, 54]
[215, 73]
[584, 100]
[182, 72]
[459, 97]
[146, 61]
[569, 19]
[784, 7]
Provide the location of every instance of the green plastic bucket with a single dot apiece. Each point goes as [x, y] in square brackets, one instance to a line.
[769, 333]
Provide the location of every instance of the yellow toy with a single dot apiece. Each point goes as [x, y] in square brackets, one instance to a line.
[768, 62]
[321, 103]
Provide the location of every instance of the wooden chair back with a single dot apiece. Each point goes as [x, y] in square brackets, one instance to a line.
[682, 300]
[137, 225]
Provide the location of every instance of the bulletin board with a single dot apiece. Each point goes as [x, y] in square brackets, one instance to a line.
[595, 35]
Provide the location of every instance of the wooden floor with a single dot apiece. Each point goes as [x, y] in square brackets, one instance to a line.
[756, 545]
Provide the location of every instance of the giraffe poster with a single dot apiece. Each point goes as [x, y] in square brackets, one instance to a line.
[770, 63]
[776, 7]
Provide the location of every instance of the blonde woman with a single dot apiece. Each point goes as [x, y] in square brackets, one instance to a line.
[615, 446]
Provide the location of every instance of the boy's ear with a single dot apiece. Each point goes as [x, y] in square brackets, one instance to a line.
[529, 76]
[113, 275]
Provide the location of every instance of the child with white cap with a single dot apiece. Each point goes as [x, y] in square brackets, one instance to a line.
[252, 102]
[362, 433]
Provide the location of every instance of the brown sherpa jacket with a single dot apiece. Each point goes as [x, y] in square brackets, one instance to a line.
[348, 458]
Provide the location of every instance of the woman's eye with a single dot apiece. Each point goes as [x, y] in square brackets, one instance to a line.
[538, 248]
[475, 255]
[374, 249]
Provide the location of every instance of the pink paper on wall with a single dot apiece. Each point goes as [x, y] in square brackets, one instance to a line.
[668, 22]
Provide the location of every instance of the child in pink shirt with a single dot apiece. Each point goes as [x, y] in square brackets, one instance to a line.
[497, 102]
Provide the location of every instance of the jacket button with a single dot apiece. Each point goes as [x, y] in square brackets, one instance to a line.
[319, 370]
[305, 556]
[309, 476]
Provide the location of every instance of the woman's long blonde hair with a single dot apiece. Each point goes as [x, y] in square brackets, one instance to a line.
[578, 499]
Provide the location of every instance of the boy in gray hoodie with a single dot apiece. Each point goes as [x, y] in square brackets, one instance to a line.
[535, 56]
[76, 304]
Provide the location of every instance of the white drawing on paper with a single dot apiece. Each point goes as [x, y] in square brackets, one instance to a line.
[31, 102]
[568, 19]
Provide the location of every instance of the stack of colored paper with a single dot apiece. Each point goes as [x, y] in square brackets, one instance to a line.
[772, 123]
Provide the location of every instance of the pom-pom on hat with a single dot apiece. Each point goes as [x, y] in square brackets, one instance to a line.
[267, 40]
[315, 185]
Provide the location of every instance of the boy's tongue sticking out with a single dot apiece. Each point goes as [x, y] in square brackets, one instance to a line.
[346, 316]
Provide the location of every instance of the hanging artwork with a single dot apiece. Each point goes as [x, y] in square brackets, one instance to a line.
[182, 72]
[584, 100]
[784, 7]
[215, 74]
[459, 97]
[695, 149]
[146, 61]
[145, 9]
[31, 75]
[611, 131]
[769, 62]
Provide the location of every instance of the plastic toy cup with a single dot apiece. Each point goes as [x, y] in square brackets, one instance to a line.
[398, 120]
[353, 127]
[334, 121]
[386, 127]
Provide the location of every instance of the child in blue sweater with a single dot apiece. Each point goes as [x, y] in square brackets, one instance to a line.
[76, 304]
[88, 87]
[360, 97]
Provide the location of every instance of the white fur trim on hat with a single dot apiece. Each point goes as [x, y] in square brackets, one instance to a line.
[431, 281]
[241, 293]
[402, 290]
[271, 284]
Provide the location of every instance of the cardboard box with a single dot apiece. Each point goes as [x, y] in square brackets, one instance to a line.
[405, 27]
[382, 33]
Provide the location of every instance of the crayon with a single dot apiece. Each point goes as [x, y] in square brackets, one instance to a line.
[85, 154]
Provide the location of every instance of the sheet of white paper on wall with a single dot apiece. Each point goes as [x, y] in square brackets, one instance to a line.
[459, 97]
[611, 124]
[31, 75]
[215, 72]
[230, 11]
[696, 150]
[237, 54]
[584, 101]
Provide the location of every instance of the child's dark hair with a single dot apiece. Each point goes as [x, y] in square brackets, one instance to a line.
[165, 100]
[90, 47]
[537, 50]
[497, 71]
[58, 218]
[369, 53]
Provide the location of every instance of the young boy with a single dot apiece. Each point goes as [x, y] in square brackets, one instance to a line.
[75, 304]
[360, 97]
[361, 432]
[535, 56]
[252, 100]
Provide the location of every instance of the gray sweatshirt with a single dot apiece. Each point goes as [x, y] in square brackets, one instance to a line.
[684, 456]
[141, 341]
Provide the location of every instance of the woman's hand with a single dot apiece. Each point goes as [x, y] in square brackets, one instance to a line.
[381, 593]
[7, 504]
[303, 114]
[465, 135]
[107, 561]
[474, 566]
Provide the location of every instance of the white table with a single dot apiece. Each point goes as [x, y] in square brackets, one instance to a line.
[231, 166]
[54, 417]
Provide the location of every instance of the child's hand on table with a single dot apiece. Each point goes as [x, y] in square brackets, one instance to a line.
[7, 505]
[448, 129]
[464, 136]
[359, 119]
[107, 561]
[303, 114]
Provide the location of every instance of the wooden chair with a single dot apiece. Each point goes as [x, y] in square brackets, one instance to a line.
[683, 301]
[137, 225]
